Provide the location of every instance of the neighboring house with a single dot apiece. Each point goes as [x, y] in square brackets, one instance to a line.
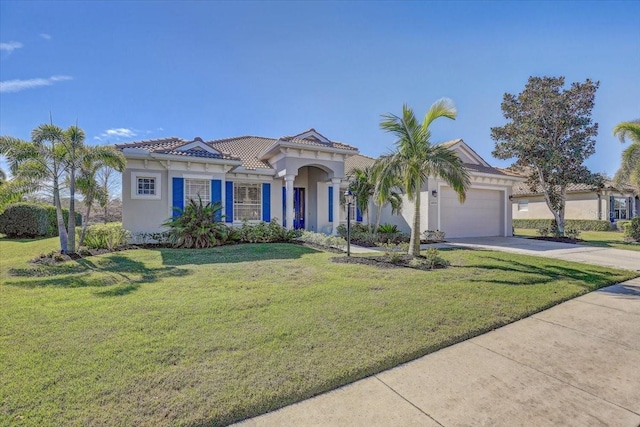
[583, 202]
[296, 179]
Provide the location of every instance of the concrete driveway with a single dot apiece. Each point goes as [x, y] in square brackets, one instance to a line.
[608, 257]
[576, 364]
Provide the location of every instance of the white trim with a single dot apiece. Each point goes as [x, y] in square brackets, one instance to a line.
[134, 185]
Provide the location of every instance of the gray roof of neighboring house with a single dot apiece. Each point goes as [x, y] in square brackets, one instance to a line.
[523, 189]
[245, 148]
[357, 161]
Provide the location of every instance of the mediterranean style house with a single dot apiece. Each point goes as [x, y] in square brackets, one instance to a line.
[296, 180]
[583, 202]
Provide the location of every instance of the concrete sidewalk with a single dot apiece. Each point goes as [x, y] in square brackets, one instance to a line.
[576, 364]
[607, 257]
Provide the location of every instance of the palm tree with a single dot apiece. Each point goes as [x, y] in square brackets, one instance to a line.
[362, 186]
[94, 158]
[630, 167]
[416, 159]
[73, 140]
[384, 192]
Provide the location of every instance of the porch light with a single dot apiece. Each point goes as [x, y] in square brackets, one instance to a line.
[348, 197]
[434, 193]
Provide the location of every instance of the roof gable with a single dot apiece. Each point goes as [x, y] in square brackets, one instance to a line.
[198, 145]
[466, 153]
[311, 135]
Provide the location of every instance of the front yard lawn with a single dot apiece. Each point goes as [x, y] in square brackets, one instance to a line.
[609, 239]
[208, 337]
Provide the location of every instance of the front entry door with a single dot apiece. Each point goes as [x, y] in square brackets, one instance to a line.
[298, 207]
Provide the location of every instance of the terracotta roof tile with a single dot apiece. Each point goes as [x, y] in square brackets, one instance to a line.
[357, 161]
[247, 148]
[171, 146]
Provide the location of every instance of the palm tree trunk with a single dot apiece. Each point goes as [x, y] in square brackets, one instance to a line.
[84, 224]
[378, 213]
[414, 243]
[62, 231]
[72, 210]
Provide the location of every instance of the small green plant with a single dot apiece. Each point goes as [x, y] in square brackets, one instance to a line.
[394, 252]
[388, 229]
[433, 235]
[432, 259]
[572, 233]
[322, 240]
[543, 231]
[105, 236]
[263, 232]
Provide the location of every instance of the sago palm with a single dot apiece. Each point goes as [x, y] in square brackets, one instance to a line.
[415, 159]
[630, 166]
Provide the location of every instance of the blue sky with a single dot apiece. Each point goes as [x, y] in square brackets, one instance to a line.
[128, 71]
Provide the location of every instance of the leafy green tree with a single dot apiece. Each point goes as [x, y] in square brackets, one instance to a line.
[38, 161]
[94, 160]
[416, 159]
[362, 186]
[630, 167]
[550, 134]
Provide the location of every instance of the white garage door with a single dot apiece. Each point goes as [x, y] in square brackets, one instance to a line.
[482, 214]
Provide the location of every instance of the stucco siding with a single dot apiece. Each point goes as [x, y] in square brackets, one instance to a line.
[140, 215]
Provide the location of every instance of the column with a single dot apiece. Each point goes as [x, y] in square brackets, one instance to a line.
[336, 204]
[288, 181]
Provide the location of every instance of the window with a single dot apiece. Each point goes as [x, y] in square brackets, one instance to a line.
[197, 187]
[145, 185]
[523, 205]
[620, 208]
[247, 202]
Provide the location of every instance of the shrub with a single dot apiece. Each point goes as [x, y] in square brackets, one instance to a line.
[264, 232]
[24, 220]
[621, 224]
[571, 233]
[632, 230]
[577, 224]
[105, 236]
[543, 231]
[160, 237]
[196, 226]
[322, 240]
[388, 229]
[394, 252]
[364, 236]
[434, 260]
[53, 219]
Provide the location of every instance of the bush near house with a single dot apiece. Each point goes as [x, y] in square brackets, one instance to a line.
[53, 219]
[363, 235]
[632, 230]
[24, 220]
[105, 236]
[50, 216]
[575, 224]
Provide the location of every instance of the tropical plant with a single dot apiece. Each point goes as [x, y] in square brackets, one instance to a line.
[40, 161]
[416, 159]
[362, 185]
[550, 134]
[196, 225]
[630, 166]
[94, 159]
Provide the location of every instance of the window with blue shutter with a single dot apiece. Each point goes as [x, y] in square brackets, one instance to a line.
[178, 195]
[330, 204]
[266, 202]
[358, 215]
[216, 196]
[612, 208]
[228, 202]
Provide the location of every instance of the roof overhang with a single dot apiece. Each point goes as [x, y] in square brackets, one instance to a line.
[280, 146]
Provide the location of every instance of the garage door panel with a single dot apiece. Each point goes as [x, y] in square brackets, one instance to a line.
[480, 215]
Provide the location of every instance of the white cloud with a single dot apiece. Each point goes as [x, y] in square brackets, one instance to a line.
[11, 46]
[116, 133]
[45, 36]
[18, 85]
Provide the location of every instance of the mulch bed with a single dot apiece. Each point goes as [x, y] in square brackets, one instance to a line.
[403, 261]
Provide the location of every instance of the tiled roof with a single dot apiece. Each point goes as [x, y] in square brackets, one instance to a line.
[247, 148]
[484, 169]
[357, 161]
[315, 142]
[171, 146]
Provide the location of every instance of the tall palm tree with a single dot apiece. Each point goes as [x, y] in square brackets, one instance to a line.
[630, 167]
[73, 141]
[416, 159]
[94, 159]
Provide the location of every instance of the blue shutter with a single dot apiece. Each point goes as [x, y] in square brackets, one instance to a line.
[216, 196]
[266, 202]
[358, 214]
[284, 206]
[178, 195]
[330, 204]
[228, 202]
[630, 208]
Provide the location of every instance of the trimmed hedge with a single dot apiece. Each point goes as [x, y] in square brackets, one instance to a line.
[53, 219]
[576, 224]
[24, 220]
[105, 236]
[632, 229]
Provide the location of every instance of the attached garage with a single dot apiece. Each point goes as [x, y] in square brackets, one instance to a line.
[481, 215]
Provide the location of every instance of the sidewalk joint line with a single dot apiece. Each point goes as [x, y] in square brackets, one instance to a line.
[408, 401]
[585, 333]
[605, 306]
[557, 379]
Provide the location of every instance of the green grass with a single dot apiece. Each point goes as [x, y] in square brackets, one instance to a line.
[608, 239]
[208, 337]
